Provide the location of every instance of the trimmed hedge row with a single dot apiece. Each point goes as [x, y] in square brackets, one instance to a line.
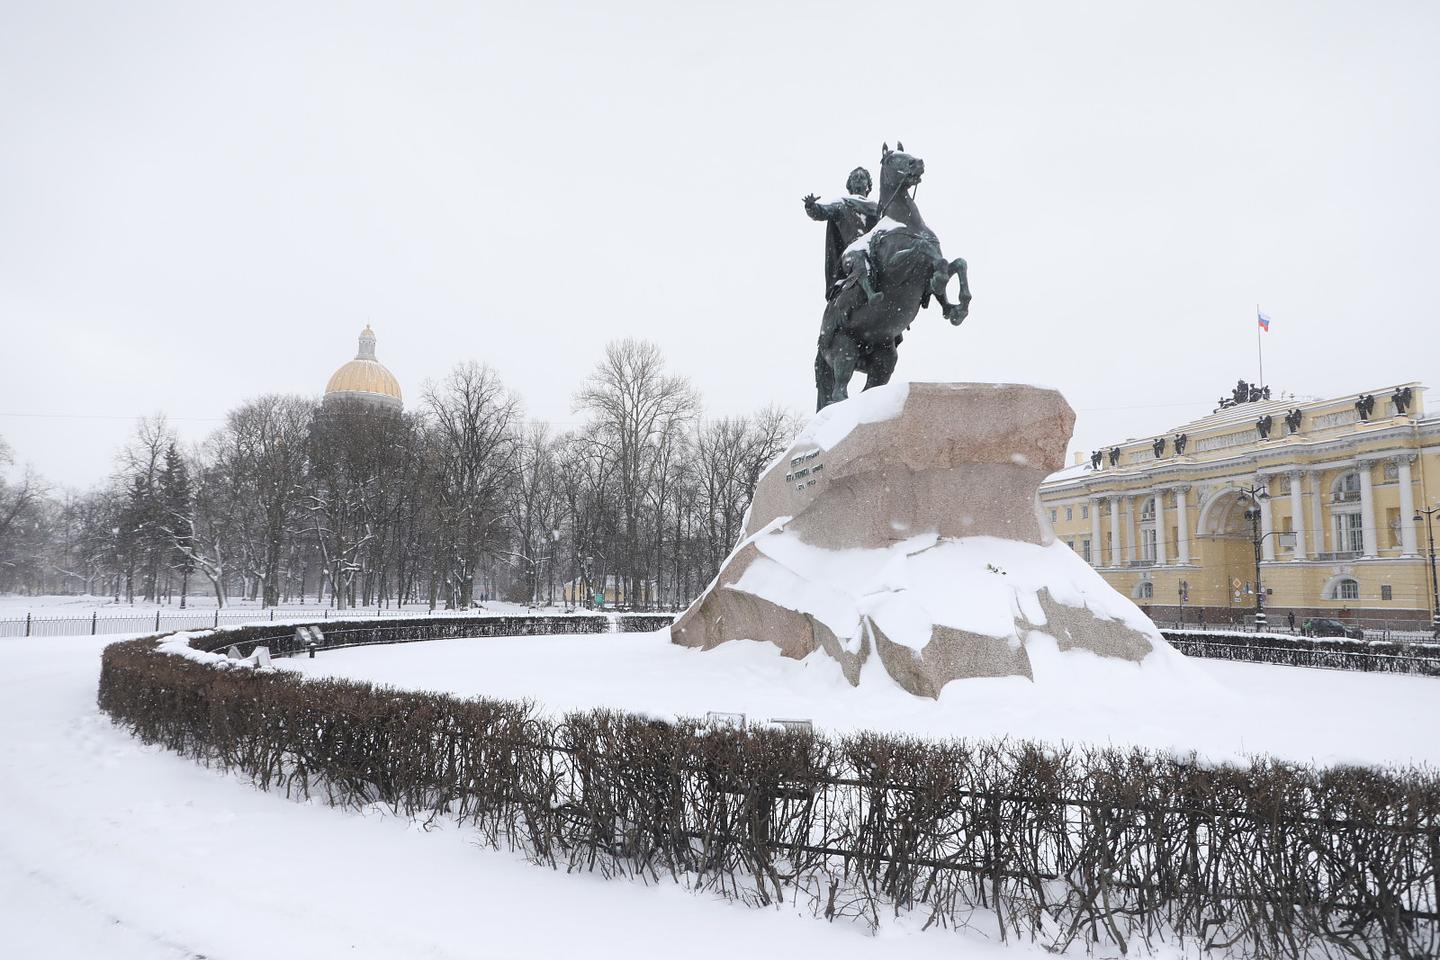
[1060, 845]
[1336, 653]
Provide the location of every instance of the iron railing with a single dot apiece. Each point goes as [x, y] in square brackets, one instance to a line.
[96, 623]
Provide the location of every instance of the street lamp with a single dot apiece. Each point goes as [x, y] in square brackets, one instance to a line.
[550, 570]
[1429, 514]
[1257, 494]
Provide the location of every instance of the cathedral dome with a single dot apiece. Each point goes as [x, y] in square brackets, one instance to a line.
[365, 379]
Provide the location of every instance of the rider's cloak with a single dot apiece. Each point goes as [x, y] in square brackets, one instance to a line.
[850, 218]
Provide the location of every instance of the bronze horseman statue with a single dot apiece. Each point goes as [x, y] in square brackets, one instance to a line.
[882, 264]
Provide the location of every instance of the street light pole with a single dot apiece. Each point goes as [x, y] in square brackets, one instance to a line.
[1429, 514]
[1256, 494]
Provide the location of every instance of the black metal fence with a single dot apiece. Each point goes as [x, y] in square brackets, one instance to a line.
[289, 640]
[1334, 653]
[1371, 628]
[96, 623]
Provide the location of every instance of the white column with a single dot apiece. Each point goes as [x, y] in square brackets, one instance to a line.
[1267, 525]
[1182, 542]
[1317, 502]
[1160, 555]
[1408, 545]
[1096, 545]
[1131, 553]
[1367, 512]
[1297, 515]
[1115, 532]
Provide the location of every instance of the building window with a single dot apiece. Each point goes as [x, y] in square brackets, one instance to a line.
[1147, 543]
[1145, 590]
[1349, 533]
[1347, 488]
[1053, 516]
[1386, 593]
[1147, 512]
[1346, 588]
[1084, 512]
[1069, 513]
[1085, 550]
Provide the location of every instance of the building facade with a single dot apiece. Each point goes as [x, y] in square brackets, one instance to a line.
[1330, 489]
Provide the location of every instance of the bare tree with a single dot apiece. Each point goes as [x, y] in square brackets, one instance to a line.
[265, 443]
[26, 516]
[534, 506]
[474, 420]
[285, 501]
[634, 405]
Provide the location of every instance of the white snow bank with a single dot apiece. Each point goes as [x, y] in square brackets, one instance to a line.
[833, 424]
[982, 585]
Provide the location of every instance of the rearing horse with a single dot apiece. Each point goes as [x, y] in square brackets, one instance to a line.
[907, 268]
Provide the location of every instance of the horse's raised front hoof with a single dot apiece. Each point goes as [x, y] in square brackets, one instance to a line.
[956, 313]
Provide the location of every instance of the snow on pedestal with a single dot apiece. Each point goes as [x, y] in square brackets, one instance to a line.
[903, 527]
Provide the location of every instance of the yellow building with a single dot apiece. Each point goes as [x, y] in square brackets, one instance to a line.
[1330, 488]
[584, 592]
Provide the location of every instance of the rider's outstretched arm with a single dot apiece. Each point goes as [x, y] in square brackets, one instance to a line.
[820, 211]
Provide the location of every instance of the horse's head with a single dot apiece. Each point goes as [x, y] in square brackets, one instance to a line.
[899, 167]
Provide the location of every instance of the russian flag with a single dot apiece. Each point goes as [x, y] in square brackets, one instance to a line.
[1264, 321]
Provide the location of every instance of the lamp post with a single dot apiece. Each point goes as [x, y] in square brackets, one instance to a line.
[1256, 494]
[550, 569]
[1429, 514]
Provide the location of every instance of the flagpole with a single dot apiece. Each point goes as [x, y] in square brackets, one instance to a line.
[1260, 344]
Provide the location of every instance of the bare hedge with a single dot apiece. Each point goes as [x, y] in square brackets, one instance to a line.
[1055, 844]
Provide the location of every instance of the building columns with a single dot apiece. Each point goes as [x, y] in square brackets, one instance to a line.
[1367, 511]
[1297, 512]
[1131, 554]
[1097, 546]
[1408, 545]
[1161, 557]
[1317, 504]
[1115, 560]
[1182, 534]
[1267, 526]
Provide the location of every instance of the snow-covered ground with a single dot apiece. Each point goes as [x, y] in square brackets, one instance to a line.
[109, 849]
[112, 849]
[1220, 709]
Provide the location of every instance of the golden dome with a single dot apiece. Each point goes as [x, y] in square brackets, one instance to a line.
[365, 378]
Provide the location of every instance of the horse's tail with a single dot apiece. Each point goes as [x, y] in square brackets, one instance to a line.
[824, 379]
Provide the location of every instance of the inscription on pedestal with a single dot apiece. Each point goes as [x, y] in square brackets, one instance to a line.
[803, 469]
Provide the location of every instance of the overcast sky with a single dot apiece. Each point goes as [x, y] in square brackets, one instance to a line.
[200, 203]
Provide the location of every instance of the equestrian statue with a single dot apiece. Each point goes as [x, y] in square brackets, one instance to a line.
[882, 265]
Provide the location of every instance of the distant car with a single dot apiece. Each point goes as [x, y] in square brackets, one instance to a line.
[1332, 628]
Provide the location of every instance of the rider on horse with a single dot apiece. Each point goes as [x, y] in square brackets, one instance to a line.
[886, 252]
[848, 219]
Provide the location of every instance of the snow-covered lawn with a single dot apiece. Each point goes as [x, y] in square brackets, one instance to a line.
[109, 849]
[112, 849]
[1223, 710]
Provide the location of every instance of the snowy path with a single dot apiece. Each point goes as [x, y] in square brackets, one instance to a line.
[1223, 710]
[112, 850]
